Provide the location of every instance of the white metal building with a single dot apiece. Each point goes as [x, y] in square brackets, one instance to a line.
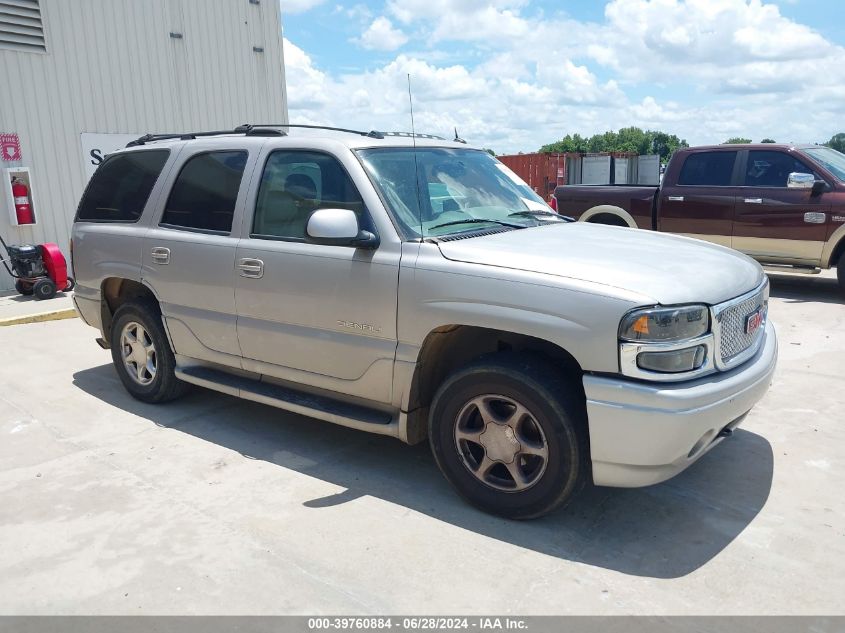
[79, 78]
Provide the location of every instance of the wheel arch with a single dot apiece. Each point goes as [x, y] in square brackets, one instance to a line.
[834, 248]
[595, 215]
[449, 347]
[114, 292]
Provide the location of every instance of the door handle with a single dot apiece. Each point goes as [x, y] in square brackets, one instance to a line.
[675, 198]
[754, 201]
[252, 268]
[160, 255]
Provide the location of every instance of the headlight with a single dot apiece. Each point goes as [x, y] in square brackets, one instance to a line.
[666, 343]
[665, 324]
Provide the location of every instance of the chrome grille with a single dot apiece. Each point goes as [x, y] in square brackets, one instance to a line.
[733, 342]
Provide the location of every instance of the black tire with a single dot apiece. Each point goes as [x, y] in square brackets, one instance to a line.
[23, 288]
[554, 403]
[840, 272]
[70, 284]
[163, 386]
[44, 289]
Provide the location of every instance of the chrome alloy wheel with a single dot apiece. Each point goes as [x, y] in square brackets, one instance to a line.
[139, 353]
[501, 443]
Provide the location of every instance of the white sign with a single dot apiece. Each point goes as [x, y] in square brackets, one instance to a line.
[95, 147]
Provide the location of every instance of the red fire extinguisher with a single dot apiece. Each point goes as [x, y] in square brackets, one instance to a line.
[23, 209]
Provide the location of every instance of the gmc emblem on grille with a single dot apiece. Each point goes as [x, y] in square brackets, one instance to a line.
[754, 320]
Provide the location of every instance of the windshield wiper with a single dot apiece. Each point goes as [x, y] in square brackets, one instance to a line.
[531, 213]
[476, 221]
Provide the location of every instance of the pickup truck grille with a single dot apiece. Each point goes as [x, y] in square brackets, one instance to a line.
[735, 344]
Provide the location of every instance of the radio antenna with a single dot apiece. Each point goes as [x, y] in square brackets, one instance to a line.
[416, 164]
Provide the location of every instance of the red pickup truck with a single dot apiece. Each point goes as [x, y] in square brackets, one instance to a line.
[783, 205]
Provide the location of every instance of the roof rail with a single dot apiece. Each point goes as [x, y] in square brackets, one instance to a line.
[371, 133]
[416, 134]
[271, 129]
[247, 130]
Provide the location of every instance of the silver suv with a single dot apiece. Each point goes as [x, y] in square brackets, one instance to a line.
[416, 287]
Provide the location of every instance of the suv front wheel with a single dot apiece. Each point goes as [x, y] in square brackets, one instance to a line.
[142, 356]
[509, 433]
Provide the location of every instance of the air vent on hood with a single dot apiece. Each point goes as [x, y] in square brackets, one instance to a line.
[20, 26]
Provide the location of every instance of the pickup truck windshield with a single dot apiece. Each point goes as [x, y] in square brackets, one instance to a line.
[831, 159]
[458, 189]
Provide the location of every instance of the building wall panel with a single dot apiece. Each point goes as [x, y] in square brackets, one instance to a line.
[111, 67]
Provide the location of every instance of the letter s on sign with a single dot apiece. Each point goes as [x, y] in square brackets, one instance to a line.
[97, 156]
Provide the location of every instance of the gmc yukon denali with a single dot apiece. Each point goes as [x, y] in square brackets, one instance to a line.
[783, 205]
[416, 287]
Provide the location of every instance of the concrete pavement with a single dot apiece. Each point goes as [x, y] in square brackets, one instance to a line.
[16, 309]
[212, 505]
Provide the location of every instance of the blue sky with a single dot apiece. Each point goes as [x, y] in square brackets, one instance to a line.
[514, 74]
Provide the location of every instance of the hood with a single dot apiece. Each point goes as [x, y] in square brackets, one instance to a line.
[668, 268]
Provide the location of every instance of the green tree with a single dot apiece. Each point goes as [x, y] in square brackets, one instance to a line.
[736, 140]
[627, 139]
[837, 142]
[768, 140]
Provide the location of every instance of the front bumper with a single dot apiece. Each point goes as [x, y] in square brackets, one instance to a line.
[644, 433]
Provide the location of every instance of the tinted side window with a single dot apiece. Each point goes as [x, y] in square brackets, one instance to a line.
[294, 185]
[204, 194]
[708, 168]
[766, 168]
[119, 189]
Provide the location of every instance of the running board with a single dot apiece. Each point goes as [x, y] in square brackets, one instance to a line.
[308, 404]
[786, 268]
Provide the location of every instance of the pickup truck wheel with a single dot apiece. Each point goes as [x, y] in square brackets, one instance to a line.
[142, 356]
[840, 272]
[509, 433]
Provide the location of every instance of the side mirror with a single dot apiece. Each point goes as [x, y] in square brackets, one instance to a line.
[338, 227]
[798, 180]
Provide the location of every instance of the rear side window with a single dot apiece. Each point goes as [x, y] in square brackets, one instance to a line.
[708, 168]
[204, 194]
[119, 189]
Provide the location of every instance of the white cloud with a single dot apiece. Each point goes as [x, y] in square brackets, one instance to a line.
[382, 35]
[703, 69]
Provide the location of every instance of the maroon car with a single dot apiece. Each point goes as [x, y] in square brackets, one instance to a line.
[783, 205]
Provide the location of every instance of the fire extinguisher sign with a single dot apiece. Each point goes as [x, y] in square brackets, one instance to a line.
[10, 147]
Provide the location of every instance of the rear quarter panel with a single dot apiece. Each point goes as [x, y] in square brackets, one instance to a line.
[575, 200]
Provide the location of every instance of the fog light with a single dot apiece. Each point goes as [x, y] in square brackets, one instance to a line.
[673, 362]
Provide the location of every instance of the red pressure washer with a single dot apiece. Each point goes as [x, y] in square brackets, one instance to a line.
[38, 270]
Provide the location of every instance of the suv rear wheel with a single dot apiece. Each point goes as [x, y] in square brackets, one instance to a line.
[509, 433]
[142, 356]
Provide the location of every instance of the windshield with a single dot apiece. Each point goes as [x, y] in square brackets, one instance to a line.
[459, 190]
[829, 158]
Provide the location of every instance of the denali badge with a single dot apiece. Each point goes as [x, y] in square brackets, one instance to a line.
[754, 320]
[361, 327]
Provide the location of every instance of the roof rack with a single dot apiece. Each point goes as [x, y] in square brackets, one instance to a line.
[414, 135]
[371, 133]
[271, 129]
[247, 130]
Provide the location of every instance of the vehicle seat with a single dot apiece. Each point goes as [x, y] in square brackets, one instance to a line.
[285, 213]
